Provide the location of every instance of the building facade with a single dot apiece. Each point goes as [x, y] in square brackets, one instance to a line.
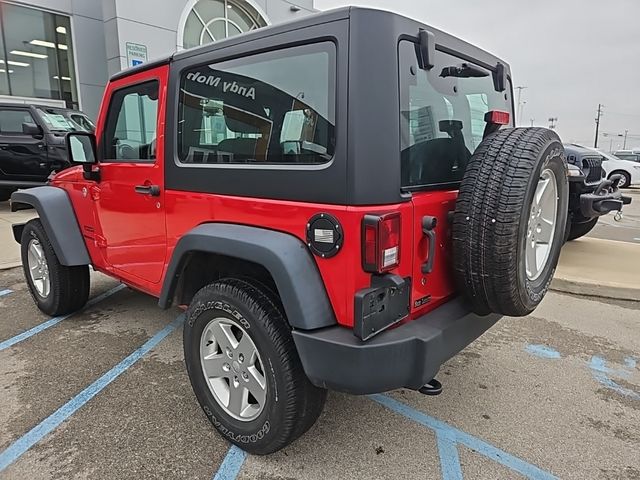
[63, 51]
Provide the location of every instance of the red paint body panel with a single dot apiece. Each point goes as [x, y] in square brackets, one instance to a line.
[132, 236]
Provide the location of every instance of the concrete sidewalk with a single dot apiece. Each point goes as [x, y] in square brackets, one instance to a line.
[601, 268]
[9, 249]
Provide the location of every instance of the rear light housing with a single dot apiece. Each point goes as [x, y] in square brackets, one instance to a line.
[497, 117]
[380, 242]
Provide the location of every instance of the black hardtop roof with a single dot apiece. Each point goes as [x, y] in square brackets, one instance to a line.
[318, 18]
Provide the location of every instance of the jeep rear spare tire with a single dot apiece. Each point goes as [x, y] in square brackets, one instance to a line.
[510, 220]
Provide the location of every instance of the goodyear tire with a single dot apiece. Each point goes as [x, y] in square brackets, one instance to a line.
[244, 367]
[510, 219]
[56, 288]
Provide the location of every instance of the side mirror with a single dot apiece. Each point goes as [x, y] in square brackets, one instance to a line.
[81, 147]
[32, 129]
[81, 150]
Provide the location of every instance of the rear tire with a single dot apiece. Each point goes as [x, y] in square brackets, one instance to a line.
[626, 178]
[289, 403]
[577, 230]
[501, 260]
[57, 289]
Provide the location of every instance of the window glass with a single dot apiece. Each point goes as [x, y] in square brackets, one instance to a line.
[271, 108]
[130, 132]
[37, 54]
[11, 121]
[60, 120]
[442, 116]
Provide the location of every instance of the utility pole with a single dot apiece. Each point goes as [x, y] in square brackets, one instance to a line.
[595, 142]
[624, 147]
[519, 119]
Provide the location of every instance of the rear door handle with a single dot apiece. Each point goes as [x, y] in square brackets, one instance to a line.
[152, 190]
[428, 225]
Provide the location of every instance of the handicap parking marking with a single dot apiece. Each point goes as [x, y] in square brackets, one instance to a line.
[449, 437]
[28, 440]
[602, 374]
[5, 292]
[231, 465]
[599, 369]
[543, 351]
[55, 320]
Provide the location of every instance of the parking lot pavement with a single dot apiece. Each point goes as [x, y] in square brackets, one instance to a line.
[625, 230]
[104, 394]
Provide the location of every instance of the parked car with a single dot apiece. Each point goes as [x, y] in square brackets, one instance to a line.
[629, 170]
[320, 239]
[32, 144]
[591, 193]
[631, 155]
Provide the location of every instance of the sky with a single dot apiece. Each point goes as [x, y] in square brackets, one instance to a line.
[571, 55]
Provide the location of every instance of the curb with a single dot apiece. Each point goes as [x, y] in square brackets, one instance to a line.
[10, 265]
[601, 290]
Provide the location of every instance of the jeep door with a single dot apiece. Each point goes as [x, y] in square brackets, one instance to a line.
[129, 197]
[23, 158]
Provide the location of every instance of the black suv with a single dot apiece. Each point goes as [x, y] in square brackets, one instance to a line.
[32, 144]
[591, 195]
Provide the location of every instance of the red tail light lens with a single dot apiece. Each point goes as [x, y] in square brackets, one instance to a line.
[381, 242]
[497, 116]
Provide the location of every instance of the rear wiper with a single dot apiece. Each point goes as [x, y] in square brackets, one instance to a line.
[464, 70]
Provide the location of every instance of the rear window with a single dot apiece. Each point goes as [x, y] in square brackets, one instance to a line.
[270, 108]
[442, 116]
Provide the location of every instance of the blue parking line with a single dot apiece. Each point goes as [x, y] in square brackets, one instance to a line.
[5, 292]
[28, 440]
[458, 436]
[449, 459]
[543, 351]
[55, 320]
[231, 465]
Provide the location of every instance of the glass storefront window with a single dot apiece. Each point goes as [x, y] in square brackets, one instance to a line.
[212, 20]
[36, 54]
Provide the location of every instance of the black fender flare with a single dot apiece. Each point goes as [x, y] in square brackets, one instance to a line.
[58, 219]
[286, 258]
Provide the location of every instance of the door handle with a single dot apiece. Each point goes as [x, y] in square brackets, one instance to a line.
[428, 225]
[152, 190]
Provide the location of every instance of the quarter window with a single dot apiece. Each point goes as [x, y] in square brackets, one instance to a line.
[442, 116]
[270, 108]
[130, 133]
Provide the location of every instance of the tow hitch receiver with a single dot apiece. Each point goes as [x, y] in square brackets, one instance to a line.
[434, 387]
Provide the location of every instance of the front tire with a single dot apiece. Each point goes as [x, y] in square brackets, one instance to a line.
[57, 289]
[245, 370]
[625, 181]
[577, 230]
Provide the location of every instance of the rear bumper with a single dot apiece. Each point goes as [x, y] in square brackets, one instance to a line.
[407, 356]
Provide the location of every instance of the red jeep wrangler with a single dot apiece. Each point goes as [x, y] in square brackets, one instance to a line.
[335, 199]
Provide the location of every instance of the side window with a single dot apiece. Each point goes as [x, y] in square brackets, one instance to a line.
[11, 121]
[270, 108]
[130, 128]
[442, 116]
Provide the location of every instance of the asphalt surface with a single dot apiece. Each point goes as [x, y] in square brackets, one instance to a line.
[625, 230]
[553, 394]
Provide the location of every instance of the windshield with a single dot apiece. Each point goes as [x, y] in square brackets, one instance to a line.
[442, 115]
[58, 120]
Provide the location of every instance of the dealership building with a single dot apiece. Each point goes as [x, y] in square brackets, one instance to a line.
[62, 52]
